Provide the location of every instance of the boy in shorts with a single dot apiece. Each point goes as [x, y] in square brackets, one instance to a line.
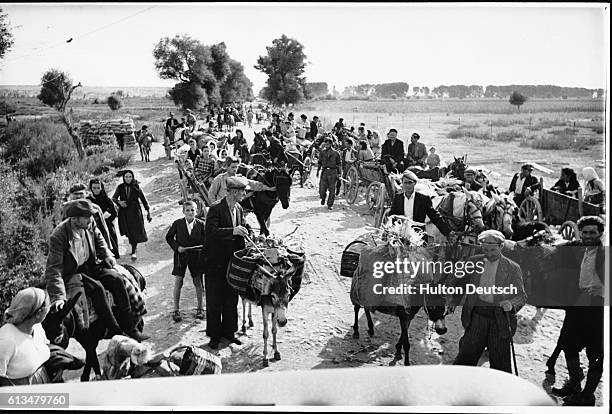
[186, 237]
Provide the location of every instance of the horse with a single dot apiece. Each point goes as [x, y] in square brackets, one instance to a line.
[61, 326]
[499, 214]
[432, 174]
[262, 202]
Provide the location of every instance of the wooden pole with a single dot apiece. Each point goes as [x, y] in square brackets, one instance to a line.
[580, 207]
[429, 123]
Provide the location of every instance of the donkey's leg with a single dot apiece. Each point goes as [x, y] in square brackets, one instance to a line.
[277, 355]
[243, 315]
[405, 320]
[370, 323]
[251, 324]
[356, 324]
[265, 336]
[403, 333]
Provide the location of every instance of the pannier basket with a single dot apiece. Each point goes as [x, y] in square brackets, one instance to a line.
[197, 361]
[261, 281]
[240, 270]
[350, 260]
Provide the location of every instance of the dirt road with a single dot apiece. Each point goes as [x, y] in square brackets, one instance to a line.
[318, 333]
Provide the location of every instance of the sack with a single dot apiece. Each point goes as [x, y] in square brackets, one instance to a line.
[240, 270]
[196, 361]
[261, 282]
[350, 259]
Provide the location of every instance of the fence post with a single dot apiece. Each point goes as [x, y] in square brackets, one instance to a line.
[429, 123]
[574, 127]
[491, 124]
[459, 122]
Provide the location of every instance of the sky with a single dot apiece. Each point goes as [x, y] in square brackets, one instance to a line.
[346, 44]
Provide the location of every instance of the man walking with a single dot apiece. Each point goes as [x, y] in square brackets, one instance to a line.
[225, 232]
[489, 319]
[331, 164]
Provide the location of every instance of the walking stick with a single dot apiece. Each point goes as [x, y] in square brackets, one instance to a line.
[512, 344]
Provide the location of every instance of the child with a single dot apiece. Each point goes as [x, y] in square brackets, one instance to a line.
[433, 160]
[184, 234]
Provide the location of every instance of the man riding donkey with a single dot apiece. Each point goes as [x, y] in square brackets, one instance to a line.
[79, 254]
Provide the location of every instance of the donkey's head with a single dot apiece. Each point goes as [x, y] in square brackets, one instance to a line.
[280, 292]
[59, 325]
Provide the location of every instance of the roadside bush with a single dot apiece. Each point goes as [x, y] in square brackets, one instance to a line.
[464, 132]
[562, 132]
[549, 123]
[564, 142]
[598, 129]
[505, 122]
[507, 136]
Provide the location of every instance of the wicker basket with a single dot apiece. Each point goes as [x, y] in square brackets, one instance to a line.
[240, 270]
[350, 260]
[196, 361]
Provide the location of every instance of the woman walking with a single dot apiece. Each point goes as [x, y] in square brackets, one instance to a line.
[131, 223]
[98, 196]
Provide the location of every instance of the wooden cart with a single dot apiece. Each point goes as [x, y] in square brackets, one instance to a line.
[556, 209]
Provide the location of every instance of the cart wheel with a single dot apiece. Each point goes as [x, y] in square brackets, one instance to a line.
[530, 210]
[352, 187]
[569, 231]
[371, 194]
[380, 207]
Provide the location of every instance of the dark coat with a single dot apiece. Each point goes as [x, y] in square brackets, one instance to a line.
[131, 222]
[395, 150]
[107, 206]
[179, 236]
[277, 152]
[419, 157]
[508, 273]
[62, 262]
[563, 188]
[98, 218]
[220, 240]
[531, 182]
[314, 130]
[422, 207]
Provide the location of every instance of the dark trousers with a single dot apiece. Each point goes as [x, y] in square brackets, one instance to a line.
[221, 303]
[483, 332]
[114, 240]
[327, 182]
[583, 327]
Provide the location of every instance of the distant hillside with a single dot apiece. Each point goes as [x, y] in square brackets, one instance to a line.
[93, 91]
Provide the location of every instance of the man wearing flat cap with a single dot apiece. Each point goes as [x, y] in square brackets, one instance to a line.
[76, 246]
[225, 233]
[417, 152]
[392, 153]
[415, 205]
[523, 184]
[171, 125]
[330, 163]
[469, 180]
[488, 315]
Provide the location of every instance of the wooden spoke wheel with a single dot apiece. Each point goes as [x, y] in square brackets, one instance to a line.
[200, 208]
[569, 231]
[352, 186]
[371, 194]
[530, 210]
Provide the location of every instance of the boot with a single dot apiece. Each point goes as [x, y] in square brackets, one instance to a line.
[571, 386]
[580, 399]
[128, 325]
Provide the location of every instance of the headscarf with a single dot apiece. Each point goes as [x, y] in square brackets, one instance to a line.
[134, 182]
[589, 174]
[24, 305]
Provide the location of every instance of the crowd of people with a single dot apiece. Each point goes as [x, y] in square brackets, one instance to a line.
[86, 243]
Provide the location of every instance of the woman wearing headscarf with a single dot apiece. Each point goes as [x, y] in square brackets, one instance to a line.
[23, 342]
[128, 196]
[593, 187]
[568, 183]
[98, 196]
[375, 143]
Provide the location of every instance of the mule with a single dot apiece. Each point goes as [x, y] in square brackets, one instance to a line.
[263, 202]
[274, 306]
[61, 326]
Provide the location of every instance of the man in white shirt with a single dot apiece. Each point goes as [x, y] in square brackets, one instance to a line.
[218, 188]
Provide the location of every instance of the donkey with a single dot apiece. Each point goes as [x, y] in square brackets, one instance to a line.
[274, 306]
[263, 202]
[144, 143]
[457, 167]
[62, 325]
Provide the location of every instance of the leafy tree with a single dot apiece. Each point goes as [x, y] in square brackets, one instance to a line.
[516, 98]
[56, 91]
[6, 37]
[284, 64]
[205, 74]
[114, 102]
[316, 89]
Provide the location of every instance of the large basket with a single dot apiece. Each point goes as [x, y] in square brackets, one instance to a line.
[240, 270]
[350, 259]
[196, 361]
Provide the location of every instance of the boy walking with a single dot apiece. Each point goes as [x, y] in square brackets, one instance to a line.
[186, 237]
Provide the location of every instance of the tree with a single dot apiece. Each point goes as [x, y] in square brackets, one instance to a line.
[205, 74]
[114, 102]
[284, 64]
[6, 37]
[516, 98]
[56, 91]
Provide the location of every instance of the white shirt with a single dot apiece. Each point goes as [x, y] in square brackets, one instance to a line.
[234, 215]
[487, 279]
[190, 226]
[80, 245]
[22, 354]
[519, 185]
[588, 276]
[409, 206]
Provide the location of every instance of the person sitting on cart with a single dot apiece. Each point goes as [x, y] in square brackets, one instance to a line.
[392, 152]
[365, 153]
[594, 188]
[171, 125]
[349, 156]
[218, 188]
[416, 206]
[469, 180]
[523, 184]
[568, 183]
[205, 167]
[417, 153]
[433, 159]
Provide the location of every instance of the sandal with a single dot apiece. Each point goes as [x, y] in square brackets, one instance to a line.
[176, 316]
[200, 314]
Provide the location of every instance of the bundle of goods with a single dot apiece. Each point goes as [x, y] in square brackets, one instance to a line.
[194, 361]
[98, 132]
[252, 270]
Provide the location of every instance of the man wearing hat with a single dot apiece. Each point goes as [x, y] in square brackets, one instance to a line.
[331, 164]
[417, 153]
[523, 184]
[76, 246]
[191, 120]
[392, 153]
[488, 316]
[219, 189]
[171, 125]
[224, 232]
[415, 205]
[469, 180]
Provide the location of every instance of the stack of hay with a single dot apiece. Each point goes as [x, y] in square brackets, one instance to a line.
[98, 132]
